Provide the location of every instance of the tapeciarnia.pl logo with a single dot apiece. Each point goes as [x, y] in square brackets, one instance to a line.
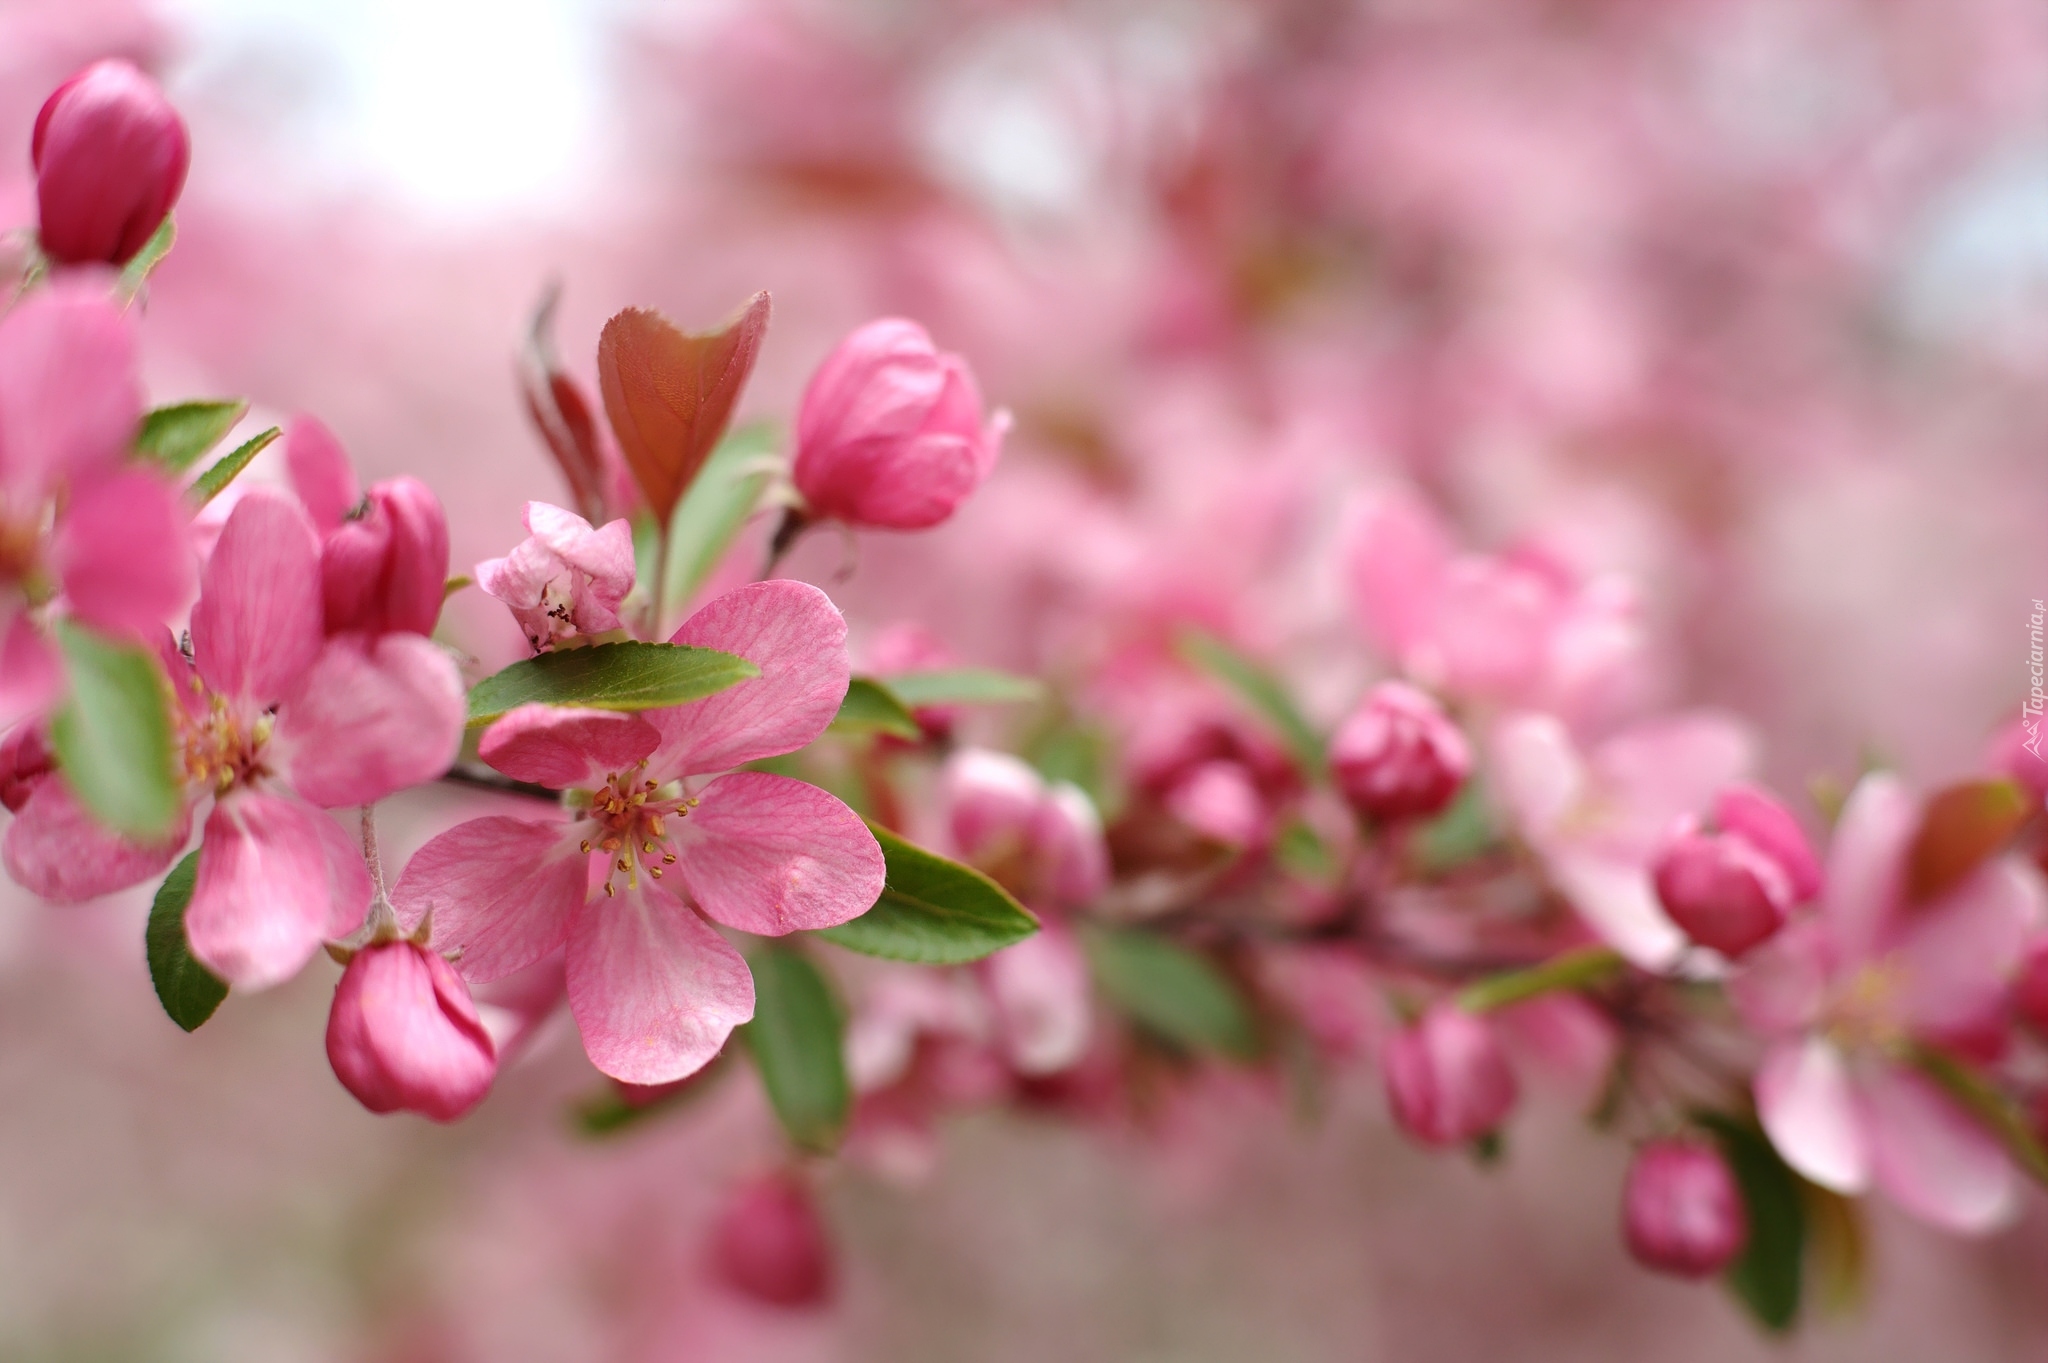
[2037, 698]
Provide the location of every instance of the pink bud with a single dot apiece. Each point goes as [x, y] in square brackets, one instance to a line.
[1681, 1212]
[110, 155]
[769, 1243]
[891, 433]
[1399, 756]
[2030, 988]
[1758, 818]
[992, 799]
[25, 759]
[387, 570]
[1067, 833]
[404, 1036]
[1720, 891]
[1447, 1080]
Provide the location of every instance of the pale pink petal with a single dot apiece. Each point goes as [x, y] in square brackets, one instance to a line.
[604, 552]
[1491, 632]
[1396, 562]
[54, 848]
[31, 677]
[372, 716]
[1959, 954]
[770, 855]
[1536, 773]
[70, 392]
[1068, 831]
[1866, 864]
[1220, 801]
[320, 473]
[1806, 1104]
[265, 893]
[1780, 986]
[1758, 816]
[348, 875]
[563, 748]
[122, 553]
[1617, 901]
[257, 627]
[654, 990]
[1656, 772]
[501, 891]
[797, 637]
[1566, 1040]
[1041, 994]
[1933, 1158]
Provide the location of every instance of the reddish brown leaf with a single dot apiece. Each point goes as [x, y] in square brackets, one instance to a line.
[669, 393]
[1964, 824]
[562, 414]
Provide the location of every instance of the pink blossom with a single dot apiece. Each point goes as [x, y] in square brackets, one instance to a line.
[891, 433]
[1731, 889]
[1040, 991]
[403, 1034]
[654, 989]
[1398, 755]
[384, 556]
[769, 1242]
[1680, 1210]
[1447, 1079]
[1044, 839]
[110, 155]
[1843, 993]
[565, 579]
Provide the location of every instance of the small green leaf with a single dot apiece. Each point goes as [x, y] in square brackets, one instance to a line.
[1988, 1106]
[1176, 993]
[964, 686]
[137, 271]
[623, 676]
[1259, 689]
[189, 991]
[218, 475]
[709, 517]
[933, 911]
[175, 437]
[869, 708]
[1568, 970]
[113, 735]
[1301, 852]
[795, 1041]
[1766, 1277]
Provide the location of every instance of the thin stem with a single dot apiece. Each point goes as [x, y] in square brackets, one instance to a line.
[371, 854]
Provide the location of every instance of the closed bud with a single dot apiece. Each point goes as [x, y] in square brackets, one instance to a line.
[891, 432]
[1681, 1212]
[1720, 890]
[110, 157]
[2030, 987]
[404, 1036]
[769, 1243]
[1447, 1080]
[387, 570]
[1398, 755]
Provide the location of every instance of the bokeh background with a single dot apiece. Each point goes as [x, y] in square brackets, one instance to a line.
[1745, 298]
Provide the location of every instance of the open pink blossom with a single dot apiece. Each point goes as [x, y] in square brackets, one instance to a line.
[1844, 996]
[565, 579]
[384, 555]
[276, 722]
[101, 540]
[653, 839]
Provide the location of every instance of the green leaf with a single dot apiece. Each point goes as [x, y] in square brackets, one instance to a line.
[869, 708]
[113, 735]
[795, 1041]
[208, 485]
[933, 911]
[1176, 993]
[964, 686]
[189, 991]
[1766, 1278]
[176, 436]
[1567, 970]
[137, 271]
[709, 517]
[1456, 836]
[1989, 1106]
[1259, 689]
[623, 676]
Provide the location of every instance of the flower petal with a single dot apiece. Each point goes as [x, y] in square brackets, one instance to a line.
[1617, 901]
[653, 989]
[1537, 772]
[501, 890]
[564, 748]
[1656, 772]
[56, 849]
[1042, 1003]
[769, 855]
[123, 554]
[31, 678]
[1780, 986]
[265, 893]
[797, 637]
[257, 627]
[372, 716]
[1933, 1158]
[320, 473]
[1960, 953]
[70, 391]
[1866, 863]
[348, 877]
[1396, 561]
[1808, 1109]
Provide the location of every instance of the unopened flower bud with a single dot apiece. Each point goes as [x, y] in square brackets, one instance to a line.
[110, 157]
[1399, 756]
[404, 1036]
[1447, 1079]
[1681, 1212]
[386, 571]
[891, 432]
[565, 579]
[1721, 891]
[2030, 987]
[769, 1243]
[25, 759]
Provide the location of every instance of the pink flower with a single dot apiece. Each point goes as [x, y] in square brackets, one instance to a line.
[1398, 755]
[1447, 1079]
[1731, 889]
[1040, 992]
[104, 540]
[1680, 1210]
[384, 557]
[890, 433]
[110, 155]
[1843, 994]
[1045, 840]
[565, 579]
[276, 722]
[769, 1242]
[403, 1035]
[654, 989]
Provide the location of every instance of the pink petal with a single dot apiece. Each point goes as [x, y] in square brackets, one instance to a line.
[1866, 864]
[1960, 953]
[1933, 1158]
[403, 1034]
[653, 989]
[54, 848]
[1396, 564]
[320, 473]
[1042, 1002]
[501, 890]
[70, 395]
[1536, 773]
[371, 717]
[1655, 772]
[348, 876]
[1616, 899]
[1780, 986]
[257, 627]
[31, 677]
[770, 855]
[265, 892]
[797, 637]
[1758, 816]
[1808, 1109]
[122, 553]
[563, 748]
[604, 552]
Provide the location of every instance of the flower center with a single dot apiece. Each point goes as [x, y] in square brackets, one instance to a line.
[1864, 1013]
[222, 748]
[20, 543]
[631, 814]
